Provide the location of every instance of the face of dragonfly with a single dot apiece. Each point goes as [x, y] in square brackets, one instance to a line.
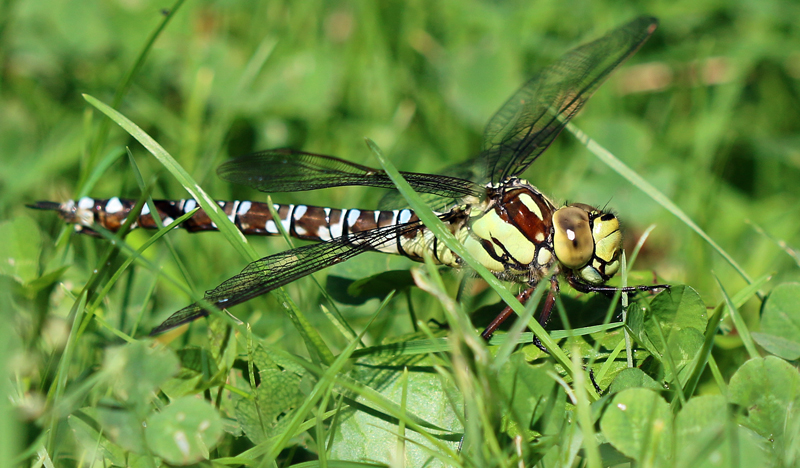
[587, 241]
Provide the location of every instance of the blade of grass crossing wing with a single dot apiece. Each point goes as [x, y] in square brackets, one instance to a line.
[310, 334]
[349, 333]
[196, 297]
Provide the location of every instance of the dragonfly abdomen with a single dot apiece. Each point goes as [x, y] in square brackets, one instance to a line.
[252, 218]
[307, 222]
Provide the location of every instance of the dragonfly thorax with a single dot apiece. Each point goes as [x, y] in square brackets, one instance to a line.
[519, 235]
[511, 233]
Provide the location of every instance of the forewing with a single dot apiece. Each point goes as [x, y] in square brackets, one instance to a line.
[526, 125]
[286, 170]
[268, 273]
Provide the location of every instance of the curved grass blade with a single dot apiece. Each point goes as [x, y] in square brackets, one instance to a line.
[209, 205]
[638, 181]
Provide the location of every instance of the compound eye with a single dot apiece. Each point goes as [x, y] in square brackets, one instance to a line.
[573, 241]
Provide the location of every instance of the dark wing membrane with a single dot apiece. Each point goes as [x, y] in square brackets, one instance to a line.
[526, 125]
[286, 170]
[465, 170]
[277, 270]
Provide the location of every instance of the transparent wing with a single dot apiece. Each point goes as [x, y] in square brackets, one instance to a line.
[286, 170]
[526, 125]
[274, 271]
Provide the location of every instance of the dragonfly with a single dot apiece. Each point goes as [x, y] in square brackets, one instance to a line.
[515, 231]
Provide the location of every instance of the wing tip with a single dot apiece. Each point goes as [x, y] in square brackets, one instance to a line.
[651, 22]
[177, 319]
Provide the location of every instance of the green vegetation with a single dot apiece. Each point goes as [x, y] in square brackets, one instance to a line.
[708, 112]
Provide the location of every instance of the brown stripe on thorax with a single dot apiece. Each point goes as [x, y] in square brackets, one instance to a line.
[529, 211]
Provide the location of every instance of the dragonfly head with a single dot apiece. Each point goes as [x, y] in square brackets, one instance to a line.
[587, 241]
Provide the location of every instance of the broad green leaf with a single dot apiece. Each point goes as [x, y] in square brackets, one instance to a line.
[184, 432]
[677, 309]
[781, 347]
[633, 378]
[95, 446]
[534, 397]
[122, 427]
[703, 436]
[675, 321]
[278, 394]
[780, 322]
[135, 371]
[768, 389]
[698, 428]
[638, 423]
[363, 434]
[683, 346]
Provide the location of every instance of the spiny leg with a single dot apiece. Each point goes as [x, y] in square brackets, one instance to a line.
[523, 297]
[609, 291]
[505, 314]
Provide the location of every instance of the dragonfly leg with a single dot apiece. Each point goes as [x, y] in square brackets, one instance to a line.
[523, 297]
[609, 291]
[544, 317]
[504, 315]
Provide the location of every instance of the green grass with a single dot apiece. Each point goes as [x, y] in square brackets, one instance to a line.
[715, 374]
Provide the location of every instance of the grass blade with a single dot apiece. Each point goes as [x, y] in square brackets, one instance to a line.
[226, 227]
[638, 181]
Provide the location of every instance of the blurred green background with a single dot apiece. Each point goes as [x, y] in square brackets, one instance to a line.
[707, 111]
